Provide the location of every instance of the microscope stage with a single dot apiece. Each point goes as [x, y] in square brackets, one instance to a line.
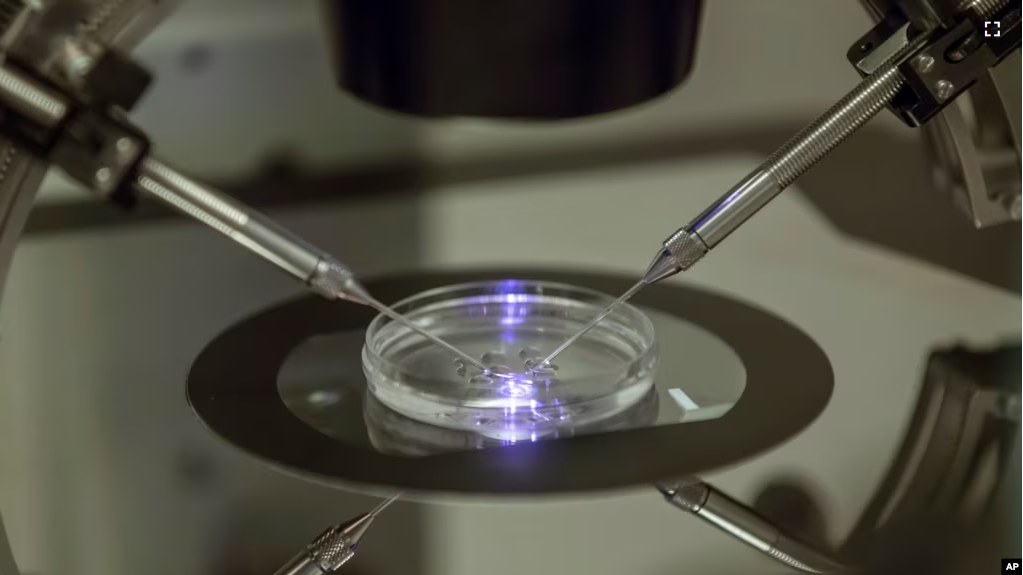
[287, 386]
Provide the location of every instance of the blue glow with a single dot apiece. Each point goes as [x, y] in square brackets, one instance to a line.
[509, 286]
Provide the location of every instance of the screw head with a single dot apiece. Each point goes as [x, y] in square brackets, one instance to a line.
[125, 146]
[103, 175]
[943, 89]
[923, 63]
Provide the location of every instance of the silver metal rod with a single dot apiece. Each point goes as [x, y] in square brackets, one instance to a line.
[231, 218]
[803, 151]
[34, 102]
[690, 244]
[985, 8]
[336, 546]
[735, 207]
[747, 526]
[262, 236]
[301, 564]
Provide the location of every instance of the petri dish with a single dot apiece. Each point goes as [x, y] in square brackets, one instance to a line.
[509, 325]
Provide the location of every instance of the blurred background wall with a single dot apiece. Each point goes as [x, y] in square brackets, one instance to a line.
[103, 469]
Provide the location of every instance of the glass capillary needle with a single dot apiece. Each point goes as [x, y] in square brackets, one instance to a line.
[333, 548]
[385, 504]
[593, 322]
[372, 302]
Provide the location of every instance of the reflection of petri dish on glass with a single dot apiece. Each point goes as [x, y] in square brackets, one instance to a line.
[390, 432]
[506, 324]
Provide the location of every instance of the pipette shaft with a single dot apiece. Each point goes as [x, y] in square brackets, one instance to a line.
[689, 244]
[312, 266]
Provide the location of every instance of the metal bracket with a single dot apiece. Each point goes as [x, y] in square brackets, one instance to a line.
[879, 44]
[101, 151]
[975, 150]
[968, 408]
[953, 60]
[946, 68]
[952, 92]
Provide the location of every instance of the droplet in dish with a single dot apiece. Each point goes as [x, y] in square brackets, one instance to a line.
[492, 358]
[481, 380]
[535, 367]
[530, 352]
[500, 371]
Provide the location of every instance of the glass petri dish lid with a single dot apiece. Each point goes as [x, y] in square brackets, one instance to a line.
[509, 325]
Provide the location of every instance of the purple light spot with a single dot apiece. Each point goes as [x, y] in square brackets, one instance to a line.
[509, 285]
[516, 389]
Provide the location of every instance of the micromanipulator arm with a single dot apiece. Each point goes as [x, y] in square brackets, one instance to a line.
[918, 69]
[688, 245]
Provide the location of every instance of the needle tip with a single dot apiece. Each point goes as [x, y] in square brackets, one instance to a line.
[664, 265]
[385, 504]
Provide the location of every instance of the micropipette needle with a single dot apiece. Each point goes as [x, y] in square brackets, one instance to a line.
[375, 304]
[384, 504]
[593, 322]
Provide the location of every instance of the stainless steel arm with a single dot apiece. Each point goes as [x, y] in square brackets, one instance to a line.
[301, 564]
[317, 269]
[20, 173]
[335, 546]
[326, 554]
[744, 524]
[260, 235]
[800, 153]
[309, 264]
[690, 243]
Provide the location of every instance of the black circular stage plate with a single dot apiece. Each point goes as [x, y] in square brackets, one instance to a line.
[233, 388]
